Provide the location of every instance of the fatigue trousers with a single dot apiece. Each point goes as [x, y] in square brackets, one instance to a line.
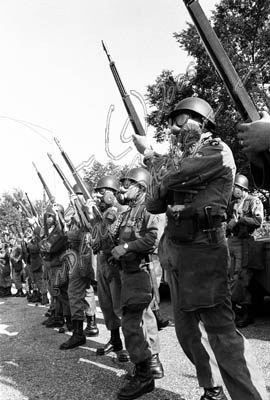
[211, 342]
[109, 292]
[17, 278]
[78, 289]
[140, 333]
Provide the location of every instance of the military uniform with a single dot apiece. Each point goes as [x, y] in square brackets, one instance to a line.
[52, 248]
[249, 216]
[108, 280]
[5, 278]
[194, 193]
[140, 231]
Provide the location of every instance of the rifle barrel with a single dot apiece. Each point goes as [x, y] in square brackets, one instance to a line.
[133, 116]
[222, 63]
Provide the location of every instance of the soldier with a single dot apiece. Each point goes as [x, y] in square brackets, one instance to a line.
[193, 185]
[108, 275]
[81, 274]
[245, 214]
[138, 238]
[5, 278]
[255, 140]
[52, 247]
[17, 269]
[35, 264]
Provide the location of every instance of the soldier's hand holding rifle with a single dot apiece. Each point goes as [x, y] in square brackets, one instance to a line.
[255, 136]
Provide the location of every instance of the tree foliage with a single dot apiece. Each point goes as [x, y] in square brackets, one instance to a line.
[98, 170]
[243, 28]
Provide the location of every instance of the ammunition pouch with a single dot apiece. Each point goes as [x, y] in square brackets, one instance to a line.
[182, 225]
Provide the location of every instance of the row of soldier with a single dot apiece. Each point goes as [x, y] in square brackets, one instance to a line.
[193, 185]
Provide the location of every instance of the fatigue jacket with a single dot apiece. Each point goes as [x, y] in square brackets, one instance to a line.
[202, 180]
[139, 229]
[205, 179]
[249, 214]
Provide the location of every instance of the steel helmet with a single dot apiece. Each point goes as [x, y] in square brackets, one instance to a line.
[50, 210]
[139, 175]
[197, 106]
[77, 189]
[242, 181]
[108, 182]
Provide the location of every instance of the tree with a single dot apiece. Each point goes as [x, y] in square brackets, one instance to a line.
[98, 170]
[243, 28]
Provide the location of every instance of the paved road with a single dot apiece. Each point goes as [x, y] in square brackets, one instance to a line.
[33, 368]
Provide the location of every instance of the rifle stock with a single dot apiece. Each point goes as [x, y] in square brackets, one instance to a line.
[133, 116]
[222, 63]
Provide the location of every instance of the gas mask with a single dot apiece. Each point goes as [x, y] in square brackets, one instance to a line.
[129, 191]
[237, 192]
[104, 198]
[186, 130]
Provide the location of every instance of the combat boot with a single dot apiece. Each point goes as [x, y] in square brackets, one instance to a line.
[20, 293]
[155, 367]
[36, 298]
[161, 322]
[69, 323]
[55, 322]
[114, 344]
[91, 327]
[142, 382]
[244, 316]
[215, 393]
[77, 339]
[44, 299]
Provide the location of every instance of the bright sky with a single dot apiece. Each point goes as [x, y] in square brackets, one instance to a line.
[55, 79]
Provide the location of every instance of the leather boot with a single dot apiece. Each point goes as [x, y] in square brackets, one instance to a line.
[142, 382]
[155, 367]
[36, 298]
[55, 322]
[244, 316]
[20, 293]
[215, 393]
[91, 327]
[44, 299]
[161, 322]
[114, 344]
[77, 339]
[69, 323]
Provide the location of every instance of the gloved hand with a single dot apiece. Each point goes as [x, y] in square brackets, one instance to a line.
[118, 251]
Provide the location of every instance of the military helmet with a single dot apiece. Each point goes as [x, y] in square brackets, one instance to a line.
[242, 181]
[139, 175]
[197, 106]
[77, 189]
[50, 209]
[108, 182]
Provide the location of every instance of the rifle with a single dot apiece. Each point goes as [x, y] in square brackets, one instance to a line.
[133, 116]
[34, 211]
[47, 190]
[23, 207]
[222, 63]
[50, 196]
[79, 181]
[76, 203]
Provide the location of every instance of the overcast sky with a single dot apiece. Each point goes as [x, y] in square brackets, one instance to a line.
[55, 78]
